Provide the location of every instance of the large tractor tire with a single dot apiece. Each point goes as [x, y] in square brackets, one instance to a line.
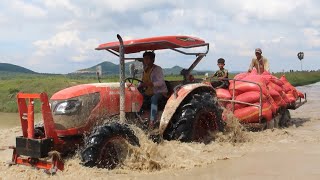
[107, 146]
[285, 120]
[197, 118]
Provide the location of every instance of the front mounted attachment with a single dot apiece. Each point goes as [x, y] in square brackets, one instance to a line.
[36, 151]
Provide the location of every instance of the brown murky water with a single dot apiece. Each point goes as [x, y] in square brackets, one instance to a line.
[291, 153]
[9, 120]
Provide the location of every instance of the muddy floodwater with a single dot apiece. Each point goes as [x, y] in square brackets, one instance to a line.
[9, 120]
[290, 153]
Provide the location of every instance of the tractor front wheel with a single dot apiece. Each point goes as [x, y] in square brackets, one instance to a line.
[197, 119]
[107, 146]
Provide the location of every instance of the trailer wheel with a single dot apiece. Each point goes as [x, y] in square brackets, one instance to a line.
[107, 146]
[285, 119]
[271, 124]
[197, 118]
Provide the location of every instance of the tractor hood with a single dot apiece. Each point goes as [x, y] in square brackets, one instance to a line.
[82, 89]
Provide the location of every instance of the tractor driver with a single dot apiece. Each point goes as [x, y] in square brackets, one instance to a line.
[154, 85]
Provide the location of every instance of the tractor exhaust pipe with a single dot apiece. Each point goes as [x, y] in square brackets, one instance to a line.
[122, 78]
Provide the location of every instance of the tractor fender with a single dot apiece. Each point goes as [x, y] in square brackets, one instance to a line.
[176, 99]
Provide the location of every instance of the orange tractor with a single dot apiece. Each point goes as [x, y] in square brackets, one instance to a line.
[81, 116]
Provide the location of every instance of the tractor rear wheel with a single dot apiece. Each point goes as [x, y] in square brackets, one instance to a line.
[107, 146]
[197, 118]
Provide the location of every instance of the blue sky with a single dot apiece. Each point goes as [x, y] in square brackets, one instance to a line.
[60, 36]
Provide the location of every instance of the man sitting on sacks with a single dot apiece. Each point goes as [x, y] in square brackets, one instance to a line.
[259, 62]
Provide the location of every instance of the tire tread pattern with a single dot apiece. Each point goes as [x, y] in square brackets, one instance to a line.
[93, 143]
[186, 114]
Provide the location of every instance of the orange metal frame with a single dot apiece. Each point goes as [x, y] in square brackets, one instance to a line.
[26, 113]
[51, 166]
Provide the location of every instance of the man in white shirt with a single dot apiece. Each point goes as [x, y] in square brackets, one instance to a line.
[260, 62]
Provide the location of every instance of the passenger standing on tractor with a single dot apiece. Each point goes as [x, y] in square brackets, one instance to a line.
[221, 74]
[154, 84]
[260, 62]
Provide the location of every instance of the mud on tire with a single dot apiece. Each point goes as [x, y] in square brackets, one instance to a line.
[196, 118]
[106, 147]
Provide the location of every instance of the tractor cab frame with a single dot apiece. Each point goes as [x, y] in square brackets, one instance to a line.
[176, 43]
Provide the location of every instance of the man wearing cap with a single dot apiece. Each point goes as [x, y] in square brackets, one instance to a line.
[260, 63]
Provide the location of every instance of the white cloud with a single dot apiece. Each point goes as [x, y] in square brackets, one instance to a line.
[85, 50]
[271, 42]
[60, 40]
[79, 58]
[28, 10]
[314, 42]
[3, 19]
[310, 32]
[313, 37]
[272, 9]
[126, 5]
[277, 40]
[68, 44]
[69, 25]
[63, 33]
[315, 22]
[150, 16]
[65, 4]
[242, 18]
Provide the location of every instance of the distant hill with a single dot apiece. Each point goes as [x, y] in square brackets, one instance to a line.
[109, 68]
[172, 71]
[6, 67]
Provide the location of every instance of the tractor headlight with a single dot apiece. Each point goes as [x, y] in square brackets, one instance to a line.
[67, 107]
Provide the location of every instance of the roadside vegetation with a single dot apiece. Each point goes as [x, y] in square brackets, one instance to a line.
[301, 78]
[11, 84]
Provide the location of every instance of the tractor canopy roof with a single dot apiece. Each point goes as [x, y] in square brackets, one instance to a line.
[154, 43]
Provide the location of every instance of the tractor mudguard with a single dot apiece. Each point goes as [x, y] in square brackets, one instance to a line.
[175, 100]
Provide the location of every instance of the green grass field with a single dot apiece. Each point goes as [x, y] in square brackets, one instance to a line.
[11, 84]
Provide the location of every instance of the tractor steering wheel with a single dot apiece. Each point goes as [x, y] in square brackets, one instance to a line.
[132, 79]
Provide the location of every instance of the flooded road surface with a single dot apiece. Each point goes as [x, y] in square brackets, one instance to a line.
[291, 153]
[10, 120]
